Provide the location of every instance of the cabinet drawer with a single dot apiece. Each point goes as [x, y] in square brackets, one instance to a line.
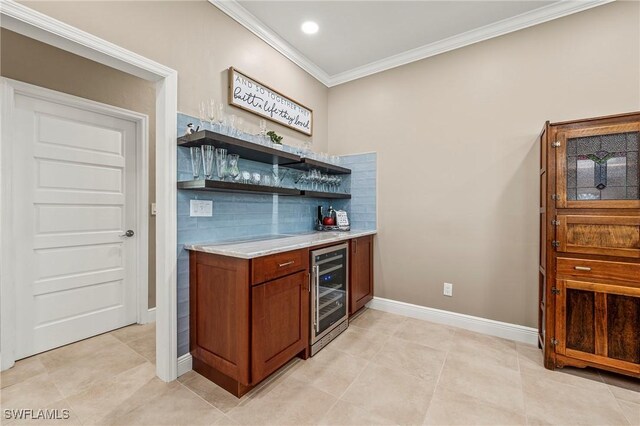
[615, 271]
[278, 265]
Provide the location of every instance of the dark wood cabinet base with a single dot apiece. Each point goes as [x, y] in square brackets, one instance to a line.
[250, 317]
[225, 382]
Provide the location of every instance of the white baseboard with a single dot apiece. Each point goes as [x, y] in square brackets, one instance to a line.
[151, 315]
[519, 333]
[184, 364]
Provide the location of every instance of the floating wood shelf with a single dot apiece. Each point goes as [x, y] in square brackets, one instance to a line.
[216, 185]
[320, 194]
[246, 150]
[221, 186]
[255, 152]
[308, 164]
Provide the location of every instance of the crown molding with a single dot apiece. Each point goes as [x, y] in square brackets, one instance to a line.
[506, 26]
[24, 20]
[253, 24]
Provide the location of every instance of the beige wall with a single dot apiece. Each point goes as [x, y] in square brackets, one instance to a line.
[458, 160]
[27, 60]
[192, 37]
[455, 134]
[200, 42]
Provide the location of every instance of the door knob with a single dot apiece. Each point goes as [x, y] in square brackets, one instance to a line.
[129, 233]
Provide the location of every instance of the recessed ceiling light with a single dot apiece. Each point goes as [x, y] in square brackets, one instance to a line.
[309, 27]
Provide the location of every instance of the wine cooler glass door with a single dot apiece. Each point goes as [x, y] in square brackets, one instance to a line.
[329, 289]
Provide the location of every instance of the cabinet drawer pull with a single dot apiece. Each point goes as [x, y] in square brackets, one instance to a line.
[582, 268]
[282, 265]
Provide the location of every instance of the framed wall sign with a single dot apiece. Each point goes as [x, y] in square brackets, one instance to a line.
[253, 96]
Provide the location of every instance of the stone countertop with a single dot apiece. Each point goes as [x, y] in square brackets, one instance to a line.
[250, 249]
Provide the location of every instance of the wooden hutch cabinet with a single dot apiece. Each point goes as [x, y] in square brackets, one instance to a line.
[589, 277]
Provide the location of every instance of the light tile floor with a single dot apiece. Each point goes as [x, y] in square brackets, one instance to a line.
[385, 369]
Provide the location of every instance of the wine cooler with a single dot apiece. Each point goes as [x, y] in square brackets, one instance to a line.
[329, 294]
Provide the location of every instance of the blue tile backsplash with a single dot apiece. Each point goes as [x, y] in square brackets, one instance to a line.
[246, 216]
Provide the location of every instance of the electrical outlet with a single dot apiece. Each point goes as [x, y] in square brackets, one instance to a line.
[201, 208]
[448, 289]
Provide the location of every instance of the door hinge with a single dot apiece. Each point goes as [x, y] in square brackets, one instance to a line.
[555, 222]
[555, 197]
[555, 144]
[554, 342]
[555, 243]
[555, 290]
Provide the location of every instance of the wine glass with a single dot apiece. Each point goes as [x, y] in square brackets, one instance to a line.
[196, 161]
[232, 166]
[208, 153]
[301, 180]
[255, 178]
[239, 127]
[231, 123]
[324, 181]
[221, 117]
[221, 163]
[212, 112]
[315, 178]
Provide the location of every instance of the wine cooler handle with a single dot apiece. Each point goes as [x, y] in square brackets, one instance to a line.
[317, 296]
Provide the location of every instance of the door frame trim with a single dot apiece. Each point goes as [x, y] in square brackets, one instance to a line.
[28, 22]
[9, 89]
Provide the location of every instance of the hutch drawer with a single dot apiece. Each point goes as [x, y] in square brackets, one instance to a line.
[599, 269]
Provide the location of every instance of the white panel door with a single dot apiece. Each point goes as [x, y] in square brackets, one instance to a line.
[74, 197]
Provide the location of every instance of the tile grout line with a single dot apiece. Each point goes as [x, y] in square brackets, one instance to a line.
[615, 398]
[201, 398]
[368, 362]
[435, 387]
[524, 398]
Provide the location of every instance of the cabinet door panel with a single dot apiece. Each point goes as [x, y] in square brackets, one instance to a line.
[604, 235]
[361, 276]
[623, 327]
[280, 323]
[599, 323]
[598, 167]
[219, 313]
[580, 322]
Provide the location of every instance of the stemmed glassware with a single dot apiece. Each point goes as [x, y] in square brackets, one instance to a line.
[263, 139]
[221, 163]
[211, 110]
[232, 166]
[221, 117]
[231, 125]
[315, 179]
[324, 182]
[208, 153]
[196, 161]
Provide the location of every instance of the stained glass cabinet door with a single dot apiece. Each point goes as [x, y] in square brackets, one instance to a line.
[598, 167]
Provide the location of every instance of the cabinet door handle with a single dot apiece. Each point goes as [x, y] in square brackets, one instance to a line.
[282, 265]
[582, 268]
[317, 297]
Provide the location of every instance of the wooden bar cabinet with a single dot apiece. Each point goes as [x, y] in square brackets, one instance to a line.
[589, 275]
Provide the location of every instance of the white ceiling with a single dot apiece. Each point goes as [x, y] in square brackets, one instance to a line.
[358, 38]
